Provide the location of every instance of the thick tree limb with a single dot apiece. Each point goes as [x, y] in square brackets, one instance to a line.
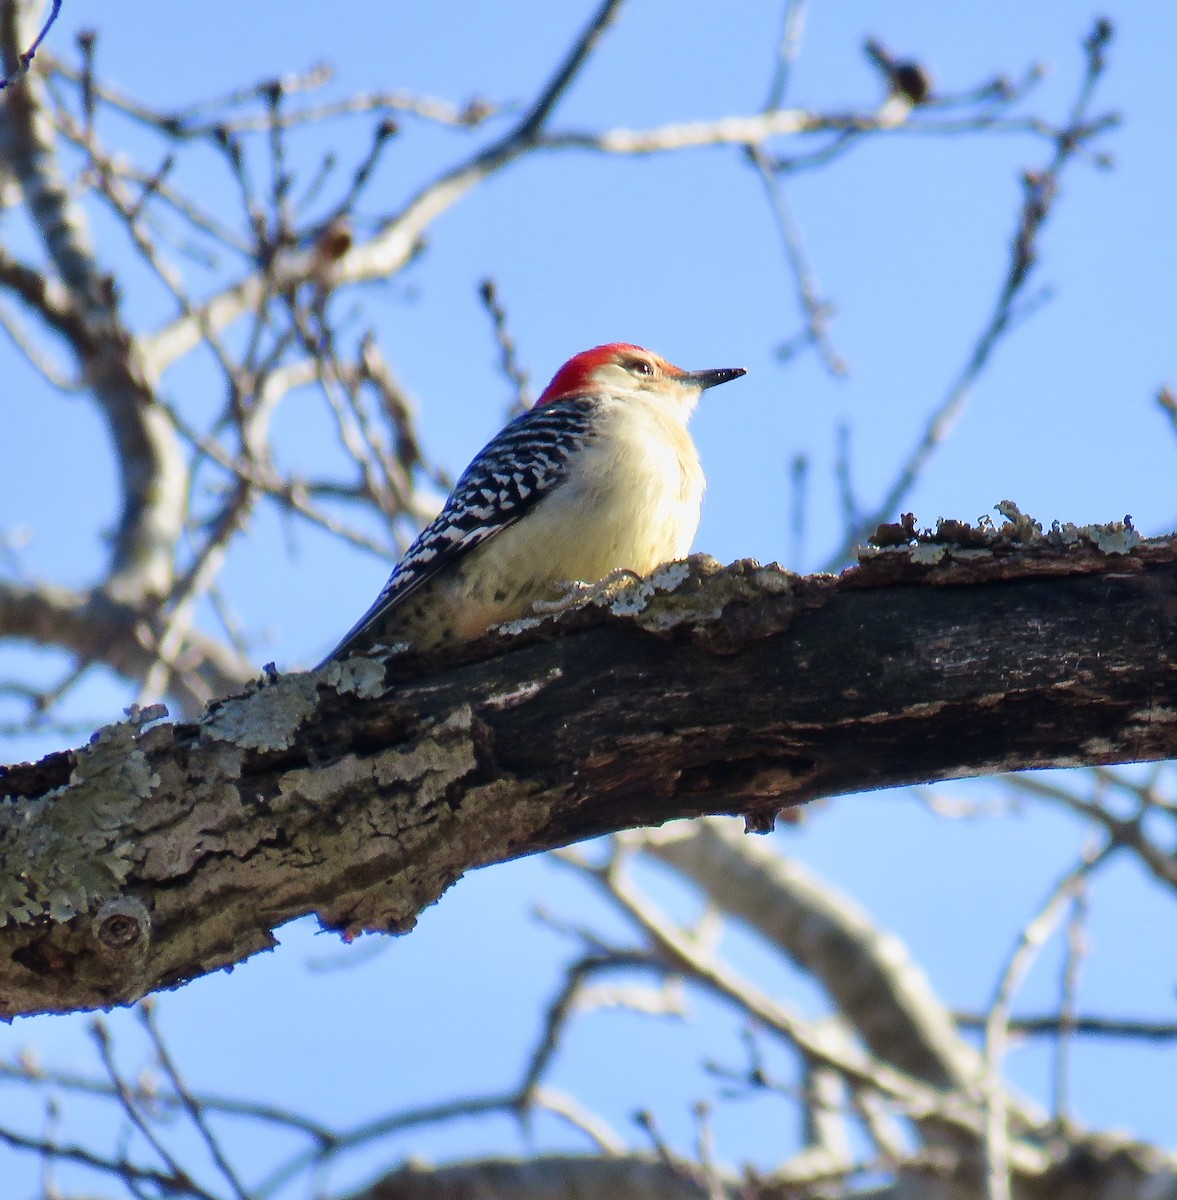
[362, 791]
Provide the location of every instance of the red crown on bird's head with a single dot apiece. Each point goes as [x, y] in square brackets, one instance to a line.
[576, 374]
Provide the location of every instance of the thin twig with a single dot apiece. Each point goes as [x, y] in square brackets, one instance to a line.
[1089, 1026]
[126, 1098]
[515, 375]
[537, 116]
[191, 1104]
[789, 45]
[1031, 940]
[26, 58]
[564, 1004]
[574, 1113]
[382, 1127]
[798, 495]
[119, 1167]
[41, 362]
[816, 310]
[920, 1102]
[1126, 833]
[86, 1085]
[1075, 948]
[185, 124]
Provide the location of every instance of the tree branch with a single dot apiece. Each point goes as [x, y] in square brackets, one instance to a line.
[98, 629]
[151, 466]
[362, 791]
[624, 1177]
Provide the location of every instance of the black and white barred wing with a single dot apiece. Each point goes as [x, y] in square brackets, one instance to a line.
[522, 463]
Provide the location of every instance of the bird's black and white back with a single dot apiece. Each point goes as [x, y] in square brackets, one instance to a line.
[519, 465]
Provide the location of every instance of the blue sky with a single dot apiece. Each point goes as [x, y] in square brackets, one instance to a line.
[908, 238]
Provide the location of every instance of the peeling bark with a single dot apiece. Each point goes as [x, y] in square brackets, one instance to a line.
[362, 791]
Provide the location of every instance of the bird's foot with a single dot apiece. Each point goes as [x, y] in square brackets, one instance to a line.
[577, 594]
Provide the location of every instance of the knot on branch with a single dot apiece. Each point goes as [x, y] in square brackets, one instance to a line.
[122, 924]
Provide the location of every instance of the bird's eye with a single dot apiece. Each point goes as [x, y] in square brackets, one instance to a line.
[639, 366]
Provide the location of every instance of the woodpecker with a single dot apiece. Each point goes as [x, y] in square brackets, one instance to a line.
[600, 475]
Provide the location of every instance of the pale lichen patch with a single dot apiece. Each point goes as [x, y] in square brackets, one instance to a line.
[1065, 534]
[1158, 714]
[619, 587]
[508, 804]
[1117, 537]
[211, 821]
[702, 591]
[1022, 527]
[683, 592]
[268, 719]
[1094, 747]
[1113, 537]
[443, 755]
[359, 676]
[928, 553]
[520, 625]
[626, 598]
[952, 541]
[225, 761]
[520, 694]
[61, 852]
[670, 575]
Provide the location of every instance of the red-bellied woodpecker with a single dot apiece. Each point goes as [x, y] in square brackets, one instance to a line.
[601, 475]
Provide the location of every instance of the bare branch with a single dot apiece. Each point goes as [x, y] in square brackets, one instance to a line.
[396, 244]
[537, 116]
[920, 1102]
[37, 358]
[148, 458]
[515, 375]
[817, 311]
[1084, 1025]
[126, 1099]
[100, 628]
[191, 1103]
[185, 124]
[46, 297]
[1125, 833]
[25, 58]
[998, 1156]
[792, 30]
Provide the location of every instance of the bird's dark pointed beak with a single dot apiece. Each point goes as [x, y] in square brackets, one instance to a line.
[709, 379]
